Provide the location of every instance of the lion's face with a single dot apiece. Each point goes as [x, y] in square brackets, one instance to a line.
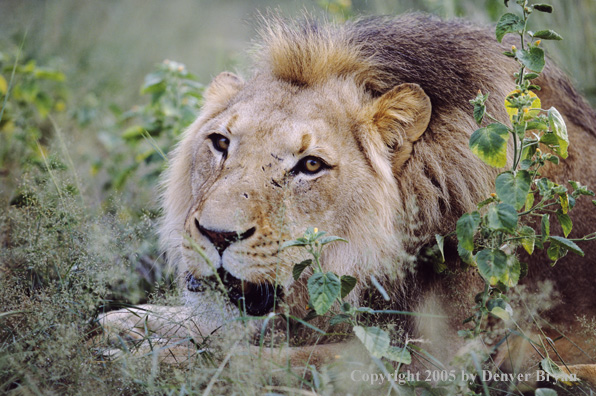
[267, 160]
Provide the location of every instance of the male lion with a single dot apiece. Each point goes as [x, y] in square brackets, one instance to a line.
[362, 131]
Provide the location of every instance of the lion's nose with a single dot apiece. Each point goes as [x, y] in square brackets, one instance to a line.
[222, 239]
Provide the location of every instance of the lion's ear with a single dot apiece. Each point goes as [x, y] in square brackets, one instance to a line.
[223, 88]
[401, 116]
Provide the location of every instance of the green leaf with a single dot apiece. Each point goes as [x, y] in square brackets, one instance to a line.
[555, 252]
[44, 73]
[529, 148]
[298, 268]
[502, 217]
[529, 201]
[133, 133]
[566, 244]
[552, 369]
[490, 144]
[374, 339]
[487, 201]
[531, 76]
[329, 239]
[536, 125]
[466, 228]
[529, 236]
[543, 8]
[400, 355]
[441, 245]
[547, 35]
[479, 110]
[554, 159]
[545, 227]
[564, 200]
[565, 222]
[500, 308]
[545, 187]
[323, 289]
[339, 318]
[559, 128]
[347, 284]
[532, 58]
[296, 242]
[513, 188]
[3, 85]
[492, 264]
[579, 189]
[508, 23]
[466, 255]
[154, 82]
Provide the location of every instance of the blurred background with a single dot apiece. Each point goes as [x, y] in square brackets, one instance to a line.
[108, 46]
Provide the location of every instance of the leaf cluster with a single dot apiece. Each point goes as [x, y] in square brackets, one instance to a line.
[519, 213]
[327, 289]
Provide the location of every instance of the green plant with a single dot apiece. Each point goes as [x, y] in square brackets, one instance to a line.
[328, 290]
[29, 94]
[489, 237]
[151, 130]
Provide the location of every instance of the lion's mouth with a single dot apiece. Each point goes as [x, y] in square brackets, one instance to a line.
[254, 299]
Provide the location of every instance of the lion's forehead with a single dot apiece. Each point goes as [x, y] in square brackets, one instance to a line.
[290, 128]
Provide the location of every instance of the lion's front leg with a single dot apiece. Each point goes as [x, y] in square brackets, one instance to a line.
[175, 333]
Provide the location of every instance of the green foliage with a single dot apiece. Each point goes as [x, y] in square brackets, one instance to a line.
[490, 237]
[29, 94]
[326, 290]
[150, 130]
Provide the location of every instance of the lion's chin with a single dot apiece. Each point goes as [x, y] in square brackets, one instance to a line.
[254, 299]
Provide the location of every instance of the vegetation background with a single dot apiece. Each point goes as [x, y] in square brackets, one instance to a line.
[80, 83]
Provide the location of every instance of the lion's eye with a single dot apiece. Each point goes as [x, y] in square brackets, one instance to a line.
[220, 142]
[310, 165]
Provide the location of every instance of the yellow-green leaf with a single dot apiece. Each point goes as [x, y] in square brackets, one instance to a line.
[564, 199]
[528, 237]
[529, 201]
[3, 85]
[565, 222]
[490, 144]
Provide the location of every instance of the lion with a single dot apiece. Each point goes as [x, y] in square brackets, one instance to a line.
[361, 130]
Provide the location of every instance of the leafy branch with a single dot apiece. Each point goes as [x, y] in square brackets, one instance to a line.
[489, 237]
